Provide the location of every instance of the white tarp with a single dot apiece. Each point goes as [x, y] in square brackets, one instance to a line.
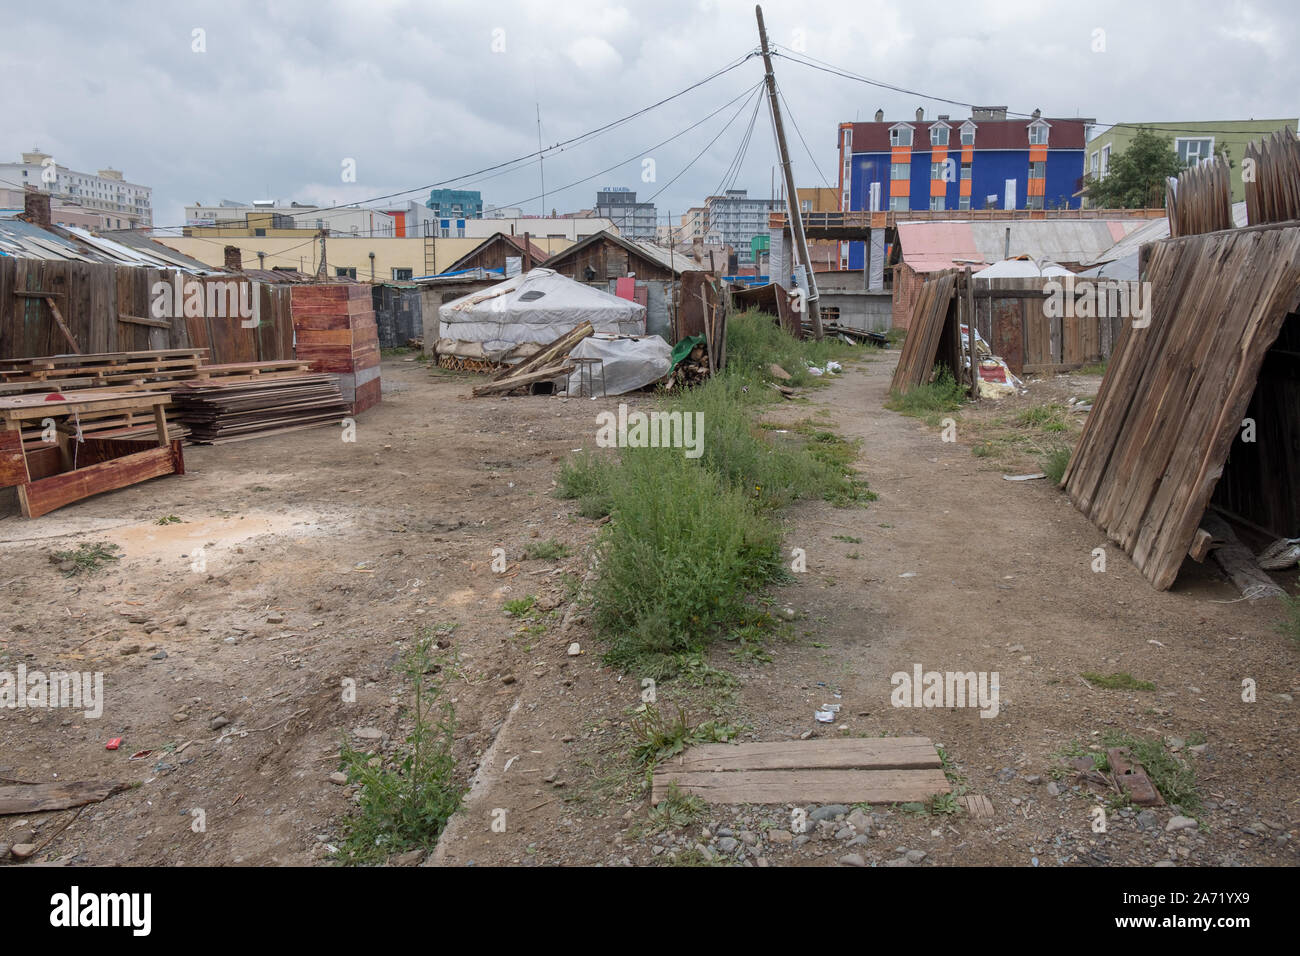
[1021, 268]
[625, 365]
[512, 319]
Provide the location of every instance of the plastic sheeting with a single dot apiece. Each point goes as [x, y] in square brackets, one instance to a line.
[517, 316]
[627, 364]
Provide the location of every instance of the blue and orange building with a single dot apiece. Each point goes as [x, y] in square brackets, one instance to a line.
[986, 161]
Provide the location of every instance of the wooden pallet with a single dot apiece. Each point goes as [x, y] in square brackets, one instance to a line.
[848, 770]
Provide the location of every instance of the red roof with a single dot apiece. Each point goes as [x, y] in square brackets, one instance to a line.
[989, 134]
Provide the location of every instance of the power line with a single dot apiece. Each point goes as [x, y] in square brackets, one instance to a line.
[521, 160]
[795, 124]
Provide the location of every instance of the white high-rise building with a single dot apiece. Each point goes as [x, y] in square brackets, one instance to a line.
[118, 203]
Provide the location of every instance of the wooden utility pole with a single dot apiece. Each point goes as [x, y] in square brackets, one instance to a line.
[791, 194]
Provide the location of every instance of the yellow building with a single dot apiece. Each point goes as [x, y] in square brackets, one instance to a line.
[394, 259]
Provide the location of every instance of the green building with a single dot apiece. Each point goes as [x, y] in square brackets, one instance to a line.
[1193, 141]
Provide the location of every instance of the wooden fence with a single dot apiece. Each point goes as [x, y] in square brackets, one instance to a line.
[1014, 318]
[109, 308]
[1272, 179]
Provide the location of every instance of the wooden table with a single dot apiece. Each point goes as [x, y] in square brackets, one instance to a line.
[84, 467]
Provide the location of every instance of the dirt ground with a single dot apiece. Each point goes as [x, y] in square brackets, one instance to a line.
[321, 561]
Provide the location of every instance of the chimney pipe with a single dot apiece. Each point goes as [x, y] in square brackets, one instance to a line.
[36, 207]
[528, 249]
[880, 116]
[234, 261]
[920, 114]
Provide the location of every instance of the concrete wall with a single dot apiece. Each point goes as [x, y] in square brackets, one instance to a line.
[859, 309]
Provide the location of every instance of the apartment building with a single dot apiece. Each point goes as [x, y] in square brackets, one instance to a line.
[735, 219]
[116, 203]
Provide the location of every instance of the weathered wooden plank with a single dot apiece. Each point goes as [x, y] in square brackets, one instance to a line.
[13, 463]
[43, 797]
[48, 494]
[856, 753]
[804, 786]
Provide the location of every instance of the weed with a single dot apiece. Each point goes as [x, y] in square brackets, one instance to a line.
[657, 737]
[675, 811]
[87, 558]
[846, 538]
[549, 550]
[1290, 623]
[168, 519]
[1175, 779]
[405, 802]
[944, 804]
[1097, 369]
[928, 401]
[1054, 465]
[1120, 681]
[520, 607]
[587, 479]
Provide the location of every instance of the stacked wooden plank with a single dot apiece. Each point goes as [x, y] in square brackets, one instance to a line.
[933, 336]
[334, 325]
[218, 411]
[1273, 189]
[1172, 403]
[147, 371]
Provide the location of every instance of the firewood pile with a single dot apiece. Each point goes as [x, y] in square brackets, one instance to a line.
[690, 371]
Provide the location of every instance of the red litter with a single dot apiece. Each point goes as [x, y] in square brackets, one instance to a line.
[140, 754]
[113, 744]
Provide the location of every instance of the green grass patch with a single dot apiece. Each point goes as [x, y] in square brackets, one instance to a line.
[1054, 464]
[406, 798]
[549, 550]
[675, 811]
[931, 400]
[1120, 681]
[657, 737]
[86, 558]
[1098, 368]
[168, 519]
[1174, 778]
[1049, 418]
[520, 607]
[1289, 625]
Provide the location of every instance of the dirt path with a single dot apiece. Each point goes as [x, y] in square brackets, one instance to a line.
[322, 560]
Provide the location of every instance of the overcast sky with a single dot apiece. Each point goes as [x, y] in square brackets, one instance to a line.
[281, 95]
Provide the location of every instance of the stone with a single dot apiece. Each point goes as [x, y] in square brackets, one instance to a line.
[180, 717]
[901, 861]
[859, 841]
[1054, 788]
[1006, 775]
[129, 649]
[368, 733]
[275, 617]
[727, 844]
[216, 723]
[338, 777]
[409, 858]
[747, 838]
[860, 821]
[1148, 820]
[852, 859]
[801, 839]
[22, 851]
[780, 837]
[778, 372]
[1033, 780]
[508, 679]
[1180, 823]
[915, 856]
[845, 833]
[160, 656]
[574, 649]
[828, 812]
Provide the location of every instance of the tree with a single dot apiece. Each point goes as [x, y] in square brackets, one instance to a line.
[1136, 178]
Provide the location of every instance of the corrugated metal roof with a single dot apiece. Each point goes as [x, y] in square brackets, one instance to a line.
[26, 240]
[1154, 231]
[931, 246]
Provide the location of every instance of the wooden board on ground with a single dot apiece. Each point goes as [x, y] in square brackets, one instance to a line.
[853, 770]
[42, 797]
[922, 347]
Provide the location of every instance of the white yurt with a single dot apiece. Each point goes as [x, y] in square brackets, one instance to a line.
[511, 320]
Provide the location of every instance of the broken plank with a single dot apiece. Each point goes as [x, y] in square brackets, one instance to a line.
[516, 381]
[47, 494]
[41, 797]
[858, 753]
[549, 353]
[804, 786]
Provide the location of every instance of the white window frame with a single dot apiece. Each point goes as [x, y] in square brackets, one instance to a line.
[897, 133]
[965, 171]
[896, 168]
[963, 202]
[899, 203]
[1038, 133]
[1038, 162]
[1105, 161]
[1094, 163]
[939, 134]
[936, 170]
[1179, 140]
[938, 203]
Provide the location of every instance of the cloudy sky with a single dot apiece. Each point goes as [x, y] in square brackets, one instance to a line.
[239, 100]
